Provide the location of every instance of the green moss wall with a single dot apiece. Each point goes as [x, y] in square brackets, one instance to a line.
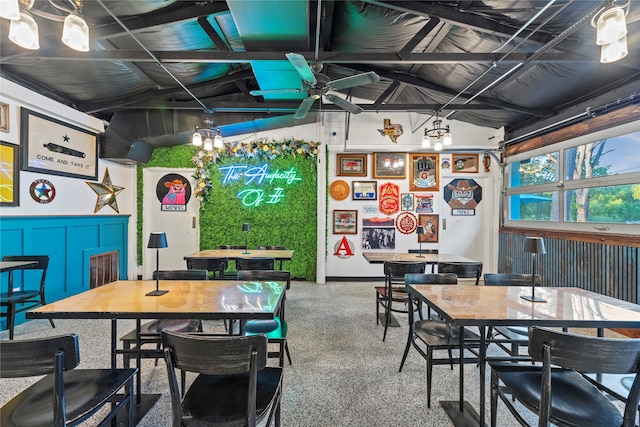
[291, 222]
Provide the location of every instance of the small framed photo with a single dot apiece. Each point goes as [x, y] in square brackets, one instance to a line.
[389, 165]
[430, 224]
[406, 201]
[464, 163]
[345, 222]
[4, 117]
[364, 190]
[423, 172]
[351, 164]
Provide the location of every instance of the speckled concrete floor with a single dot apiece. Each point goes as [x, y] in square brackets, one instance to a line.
[342, 372]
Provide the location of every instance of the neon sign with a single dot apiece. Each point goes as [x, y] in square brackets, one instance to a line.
[257, 176]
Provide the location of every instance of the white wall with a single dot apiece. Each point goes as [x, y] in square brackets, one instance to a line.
[73, 195]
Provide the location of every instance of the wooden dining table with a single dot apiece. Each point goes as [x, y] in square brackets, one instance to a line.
[15, 265]
[381, 257]
[277, 254]
[186, 299]
[484, 306]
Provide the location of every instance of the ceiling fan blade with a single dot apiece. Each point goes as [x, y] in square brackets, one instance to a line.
[302, 67]
[357, 80]
[345, 105]
[274, 91]
[304, 108]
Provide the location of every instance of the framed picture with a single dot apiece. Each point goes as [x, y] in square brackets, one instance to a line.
[389, 165]
[57, 148]
[4, 117]
[423, 172]
[464, 163]
[406, 201]
[364, 190]
[424, 203]
[430, 224]
[345, 222]
[10, 177]
[351, 164]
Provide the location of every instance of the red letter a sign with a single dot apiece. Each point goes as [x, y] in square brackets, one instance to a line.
[343, 249]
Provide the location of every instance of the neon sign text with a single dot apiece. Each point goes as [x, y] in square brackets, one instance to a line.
[259, 175]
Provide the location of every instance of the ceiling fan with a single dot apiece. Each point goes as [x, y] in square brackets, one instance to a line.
[316, 85]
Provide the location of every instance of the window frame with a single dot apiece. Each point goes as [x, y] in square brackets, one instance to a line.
[562, 186]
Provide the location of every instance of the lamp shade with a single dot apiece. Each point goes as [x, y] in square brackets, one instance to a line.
[75, 33]
[24, 31]
[246, 227]
[534, 245]
[420, 230]
[9, 9]
[157, 240]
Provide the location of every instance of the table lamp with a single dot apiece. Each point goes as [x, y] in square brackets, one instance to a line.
[419, 232]
[157, 240]
[246, 227]
[533, 246]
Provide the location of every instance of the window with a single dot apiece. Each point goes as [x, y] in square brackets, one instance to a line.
[599, 189]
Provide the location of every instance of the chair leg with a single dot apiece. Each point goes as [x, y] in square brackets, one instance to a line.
[11, 319]
[377, 309]
[429, 374]
[387, 320]
[494, 398]
[451, 357]
[126, 357]
[43, 302]
[286, 349]
[406, 348]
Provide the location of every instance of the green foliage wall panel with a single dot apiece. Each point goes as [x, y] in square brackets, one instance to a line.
[292, 222]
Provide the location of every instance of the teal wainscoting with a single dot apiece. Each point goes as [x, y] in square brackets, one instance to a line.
[69, 241]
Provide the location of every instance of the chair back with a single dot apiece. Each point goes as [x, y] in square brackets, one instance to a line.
[257, 263]
[394, 271]
[266, 275]
[510, 279]
[34, 357]
[431, 279]
[181, 275]
[217, 266]
[232, 247]
[40, 267]
[464, 270]
[271, 248]
[423, 251]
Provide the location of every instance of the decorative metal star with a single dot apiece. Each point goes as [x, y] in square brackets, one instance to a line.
[106, 192]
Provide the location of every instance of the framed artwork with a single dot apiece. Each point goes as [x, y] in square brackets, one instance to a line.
[424, 203]
[10, 177]
[378, 233]
[57, 148]
[464, 163]
[348, 164]
[389, 165]
[406, 201]
[430, 224]
[4, 117]
[345, 222]
[364, 190]
[423, 172]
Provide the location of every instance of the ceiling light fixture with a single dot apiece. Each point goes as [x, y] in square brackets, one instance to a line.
[23, 29]
[212, 139]
[441, 135]
[611, 31]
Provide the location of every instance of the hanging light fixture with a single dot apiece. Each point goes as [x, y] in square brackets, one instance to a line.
[23, 29]
[438, 134]
[212, 139]
[611, 31]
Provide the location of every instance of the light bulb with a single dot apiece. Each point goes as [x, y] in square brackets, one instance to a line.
[24, 31]
[438, 145]
[75, 33]
[9, 9]
[208, 144]
[614, 51]
[446, 140]
[197, 139]
[217, 141]
[611, 26]
[426, 142]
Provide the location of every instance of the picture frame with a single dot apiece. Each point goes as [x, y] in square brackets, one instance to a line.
[53, 147]
[4, 117]
[364, 190]
[406, 201]
[389, 165]
[345, 221]
[431, 225]
[464, 163]
[424, 171]
[10, 178]
[349, 164]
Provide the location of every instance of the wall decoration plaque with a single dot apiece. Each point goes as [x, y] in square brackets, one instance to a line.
[423, 172]
[389, 198]
[339, 189]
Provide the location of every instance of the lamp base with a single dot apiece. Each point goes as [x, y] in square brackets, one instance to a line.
[532, 298]
[156, 293]
[420, 256]
[246, 252]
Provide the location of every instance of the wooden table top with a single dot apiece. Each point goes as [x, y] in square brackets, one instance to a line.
[239, 253]
[502, 305]
[14, 265]
[186, 299]
[381, 257]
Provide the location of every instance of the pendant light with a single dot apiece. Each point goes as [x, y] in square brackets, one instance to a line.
[611, 31]
[9, 9]
[75, 33]
[441, 135]
[24, 31]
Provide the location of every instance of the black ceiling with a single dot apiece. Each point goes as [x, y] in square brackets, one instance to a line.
[164, 62]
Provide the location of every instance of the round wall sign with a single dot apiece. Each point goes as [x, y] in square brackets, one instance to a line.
[42, 191]
[406, 223]
[339, 189]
